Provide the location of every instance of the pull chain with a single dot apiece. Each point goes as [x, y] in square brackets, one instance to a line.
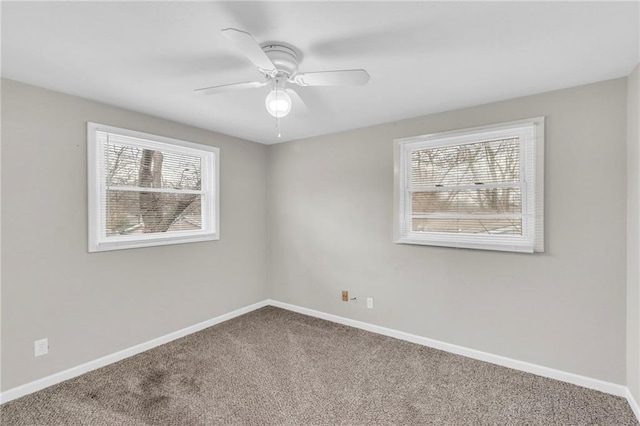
[278, 117]
[278, 126]
[275, 108]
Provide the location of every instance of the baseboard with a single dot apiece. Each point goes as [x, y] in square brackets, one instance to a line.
[53, 379]
[634, 404]
[587, 382]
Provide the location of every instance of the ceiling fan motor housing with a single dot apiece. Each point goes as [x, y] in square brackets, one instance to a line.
[283, 57]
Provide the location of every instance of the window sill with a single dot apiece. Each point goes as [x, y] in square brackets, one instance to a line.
[157, 241]
[468, 242]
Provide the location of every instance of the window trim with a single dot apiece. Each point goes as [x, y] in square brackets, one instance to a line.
[532, 181]
[210, 156]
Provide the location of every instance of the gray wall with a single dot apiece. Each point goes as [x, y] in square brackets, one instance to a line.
[91, 305]
[330, 229]
[633, 233]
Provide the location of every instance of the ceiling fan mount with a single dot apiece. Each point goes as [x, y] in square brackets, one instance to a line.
[279, 65]
[283, 57]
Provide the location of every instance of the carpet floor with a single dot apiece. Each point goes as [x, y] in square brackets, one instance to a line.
[275, 367]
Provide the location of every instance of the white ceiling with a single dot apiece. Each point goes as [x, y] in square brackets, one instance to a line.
[423, 57]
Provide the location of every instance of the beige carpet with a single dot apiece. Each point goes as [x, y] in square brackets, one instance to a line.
[274, 367]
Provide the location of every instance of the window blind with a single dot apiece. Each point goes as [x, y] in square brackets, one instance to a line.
[468, 188]
[149, 188]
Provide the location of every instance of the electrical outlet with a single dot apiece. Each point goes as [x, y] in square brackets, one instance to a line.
[369, 302]
[41, 347]
[345, 296]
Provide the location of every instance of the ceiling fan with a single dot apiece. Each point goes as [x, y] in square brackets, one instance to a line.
[279, 65]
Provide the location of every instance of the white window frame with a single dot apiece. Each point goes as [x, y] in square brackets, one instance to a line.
[97, 187]
[531, 134]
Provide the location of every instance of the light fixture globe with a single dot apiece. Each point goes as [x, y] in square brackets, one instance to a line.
[278, 103]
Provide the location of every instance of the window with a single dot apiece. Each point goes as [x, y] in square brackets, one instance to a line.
[147, 190]
[479, 188]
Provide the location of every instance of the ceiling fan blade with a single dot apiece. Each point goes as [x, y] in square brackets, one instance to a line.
[298, 103]
[332, 78]
[250, 48]
[227, 87]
